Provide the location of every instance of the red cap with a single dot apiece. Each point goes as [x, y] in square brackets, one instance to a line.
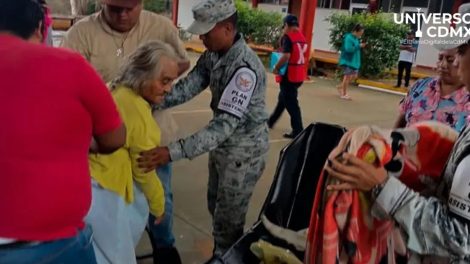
[122, 3]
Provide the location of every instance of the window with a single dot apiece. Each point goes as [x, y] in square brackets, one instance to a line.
[334, 4]
[274, 2]
[416, 3]
[358, 8]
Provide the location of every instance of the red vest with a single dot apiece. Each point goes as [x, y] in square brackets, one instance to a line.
[296, 71]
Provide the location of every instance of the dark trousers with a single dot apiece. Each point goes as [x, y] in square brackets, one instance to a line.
[404, 66]
[288, 100]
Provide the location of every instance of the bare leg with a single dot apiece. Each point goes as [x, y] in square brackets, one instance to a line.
[344, 85]
[346, 80]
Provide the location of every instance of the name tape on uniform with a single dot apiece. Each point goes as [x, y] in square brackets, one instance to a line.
[459, 198]
[237, 94]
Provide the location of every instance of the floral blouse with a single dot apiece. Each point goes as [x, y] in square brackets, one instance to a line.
[424, 102]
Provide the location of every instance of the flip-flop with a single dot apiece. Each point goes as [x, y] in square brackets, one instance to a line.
[338, 88]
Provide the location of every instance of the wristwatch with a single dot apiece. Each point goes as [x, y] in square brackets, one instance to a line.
[377, 189]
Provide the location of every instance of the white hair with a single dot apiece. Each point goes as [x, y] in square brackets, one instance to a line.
[143, 65]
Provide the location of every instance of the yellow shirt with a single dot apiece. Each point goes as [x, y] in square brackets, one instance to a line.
[115, 172]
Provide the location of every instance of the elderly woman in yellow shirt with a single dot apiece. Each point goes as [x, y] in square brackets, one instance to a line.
[123, 193]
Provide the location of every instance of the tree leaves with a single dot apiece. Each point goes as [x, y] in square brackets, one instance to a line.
[381, 34]
[257, 25]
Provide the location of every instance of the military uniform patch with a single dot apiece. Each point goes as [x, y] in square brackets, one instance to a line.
[459, 198]
[238, 92]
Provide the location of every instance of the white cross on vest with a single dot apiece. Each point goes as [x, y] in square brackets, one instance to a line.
[302, 48]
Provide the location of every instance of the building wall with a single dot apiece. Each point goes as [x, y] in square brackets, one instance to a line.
[426, 56]
[185, 16]
[61, 7]
[282, 9]
[321, 28]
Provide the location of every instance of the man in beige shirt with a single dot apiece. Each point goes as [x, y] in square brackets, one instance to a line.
[105, 39]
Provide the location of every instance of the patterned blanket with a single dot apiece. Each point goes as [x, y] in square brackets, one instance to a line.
[342, 230]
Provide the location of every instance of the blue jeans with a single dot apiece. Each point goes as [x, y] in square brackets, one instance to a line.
[162, 234]
[78, 249]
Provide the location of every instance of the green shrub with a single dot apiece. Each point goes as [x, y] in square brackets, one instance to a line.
[91, 8]
[381, 34]
[259, 26]
[157, 6]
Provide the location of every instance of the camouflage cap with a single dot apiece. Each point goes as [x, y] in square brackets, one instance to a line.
[210, 12]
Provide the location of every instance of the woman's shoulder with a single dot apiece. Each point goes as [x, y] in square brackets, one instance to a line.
[424, 84]
[127, 100]
[121, 92]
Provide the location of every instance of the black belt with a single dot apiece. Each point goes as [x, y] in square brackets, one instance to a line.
[18, 244]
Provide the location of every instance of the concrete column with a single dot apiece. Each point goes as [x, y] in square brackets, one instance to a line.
[175, 8]
[294, 7]
[307, 17]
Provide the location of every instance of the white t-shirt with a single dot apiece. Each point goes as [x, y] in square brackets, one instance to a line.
[407, 56]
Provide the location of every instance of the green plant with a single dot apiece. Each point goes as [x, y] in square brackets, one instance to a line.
[258, 26]
[91, 7]
[381, 34]
[157, 6]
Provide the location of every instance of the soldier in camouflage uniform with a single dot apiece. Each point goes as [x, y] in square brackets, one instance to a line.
[237, 136]
[437, 228]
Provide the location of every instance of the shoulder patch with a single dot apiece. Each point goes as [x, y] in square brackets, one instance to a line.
[238, 92]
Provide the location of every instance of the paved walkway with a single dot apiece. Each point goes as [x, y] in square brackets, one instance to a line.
[319, 103]
[327, 57]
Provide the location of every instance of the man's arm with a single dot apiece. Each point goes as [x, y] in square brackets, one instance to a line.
[408, 48]
[75, 40]
[109, 142]
[109, 131]
[217, 131]
[430, 228]
[227, 118]
[286, 51]
[246, 88]
[400, 122]
[404, 47]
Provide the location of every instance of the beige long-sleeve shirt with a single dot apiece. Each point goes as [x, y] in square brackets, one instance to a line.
[99, 44]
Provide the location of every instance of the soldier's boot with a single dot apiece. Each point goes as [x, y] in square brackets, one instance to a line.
[166, 255]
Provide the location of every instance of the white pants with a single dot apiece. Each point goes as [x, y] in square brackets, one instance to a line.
[117, 226]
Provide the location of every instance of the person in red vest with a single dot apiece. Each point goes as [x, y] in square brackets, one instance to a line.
[294, 49]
